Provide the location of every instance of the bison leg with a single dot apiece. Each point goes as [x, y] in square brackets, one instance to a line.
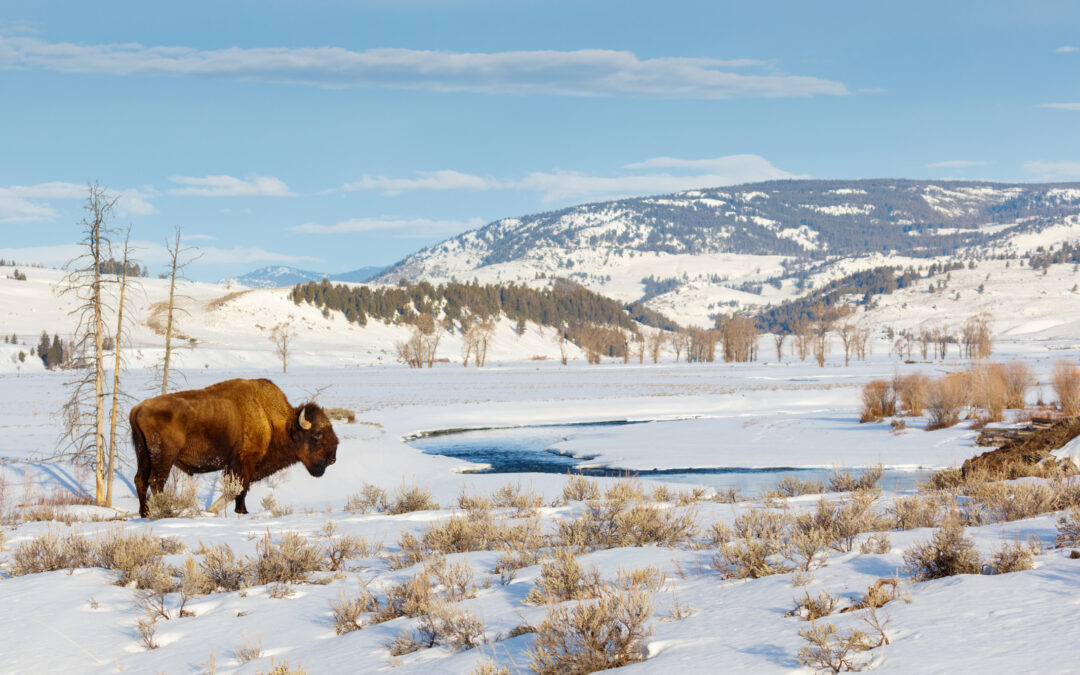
[241, 507]
[142, 475]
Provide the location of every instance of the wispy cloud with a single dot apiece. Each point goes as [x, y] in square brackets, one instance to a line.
[229, 186]
[586, 72]
[26, 203]
[1061, 106]
[683, 174]
[424, 180]
[154, 253]
[954, 164]
[1053, 171]
[402, 227]
[1067, 49]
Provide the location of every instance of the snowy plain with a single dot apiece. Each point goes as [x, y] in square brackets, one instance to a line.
[762, 414]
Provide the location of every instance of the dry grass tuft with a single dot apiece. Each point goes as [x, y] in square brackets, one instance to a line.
[349, 612]
[843, 481]
[1014, 557]
[948, 553]
[1068, 529]
[370, 498]
[282, 668]
[408, 499]
[179, 499]
[812, 609]
[578, 488]
[289, 561]
[790, 486]
[249, 649]
[607, 632]
[561, 579]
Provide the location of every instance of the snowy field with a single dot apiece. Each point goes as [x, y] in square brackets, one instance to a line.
[790, 414]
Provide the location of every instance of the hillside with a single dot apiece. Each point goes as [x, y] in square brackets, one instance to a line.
[276, 276]
[696, 253]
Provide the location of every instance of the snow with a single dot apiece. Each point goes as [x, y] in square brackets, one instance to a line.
[764, 414]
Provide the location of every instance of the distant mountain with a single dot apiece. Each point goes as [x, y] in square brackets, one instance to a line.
[700, 250]
[275, 276]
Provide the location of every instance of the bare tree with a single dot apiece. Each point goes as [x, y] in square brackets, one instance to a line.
[846, 331]
[485, 334]
[821, 329]
[657, 339]
[680, 340]
[85, 281]
[802, 334]
[179, 259]
[978, 336]
[778, 340]
[282, 336]
[639, 346]
[563, 345]
[116, 394]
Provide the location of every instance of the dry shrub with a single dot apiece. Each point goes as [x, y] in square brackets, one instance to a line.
[606, 632]
[514, 496]
[1065, 379]
[279, 591]
[880, 594]
[249, 649]
[563, 579]
[269, 503]
[832, 651]
[50, 552]
[843, 522]
[1018, 379]
[341, 414]
[843, 481]
[291, 560]
[370, 498]
[409, 499]
[223, 569]
[608, 524]
[758, 548]
[179, 499]
[411, 597]
[282, 668]
[625, 490]
[946, 398]
[348, 612]
[728, 496]
[812, 609]
[997, 502]
[486, 666]
[1014, 557]
[403, 644]
[989, 390]
[578, 488]
[790, 486]
[878, 401]
[456, 579]
[948, 553]
[445, 624]
[878, 543]
[691, 496]
[474, 504]
[1068, 529]
[807, 548]
[662, 493]
[911, 390]
[147, 627]
[918, 510]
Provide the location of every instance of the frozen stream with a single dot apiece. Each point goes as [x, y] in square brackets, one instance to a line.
[530, 449]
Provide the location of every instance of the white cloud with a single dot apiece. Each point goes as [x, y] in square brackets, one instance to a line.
[425, 180]
[402, 227]
[954, 164]
[1067, 49]
[16, 205]
[586, 72]
[1053, 171]
[229, 186]
[153, 253]
[1061, 106]
[717, 171]
[568, 185]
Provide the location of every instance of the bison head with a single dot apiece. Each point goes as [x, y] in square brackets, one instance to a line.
[314, 439]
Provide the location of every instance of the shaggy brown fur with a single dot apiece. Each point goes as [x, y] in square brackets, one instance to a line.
[245, 427]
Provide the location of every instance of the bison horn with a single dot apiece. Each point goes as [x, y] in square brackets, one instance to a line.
[304, 424]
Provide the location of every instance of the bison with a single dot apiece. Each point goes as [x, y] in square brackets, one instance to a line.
[245, 427]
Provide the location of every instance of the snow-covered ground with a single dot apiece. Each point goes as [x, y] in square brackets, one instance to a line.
[761, 414]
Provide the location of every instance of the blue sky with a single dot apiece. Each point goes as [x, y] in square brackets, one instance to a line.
[335, 135]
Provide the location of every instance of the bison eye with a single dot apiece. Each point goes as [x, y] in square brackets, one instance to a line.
[317, 435]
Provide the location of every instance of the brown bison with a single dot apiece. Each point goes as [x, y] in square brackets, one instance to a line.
[244, 427]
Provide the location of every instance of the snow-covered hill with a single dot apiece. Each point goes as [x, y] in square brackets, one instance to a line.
[277, 275]
[696, 253]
